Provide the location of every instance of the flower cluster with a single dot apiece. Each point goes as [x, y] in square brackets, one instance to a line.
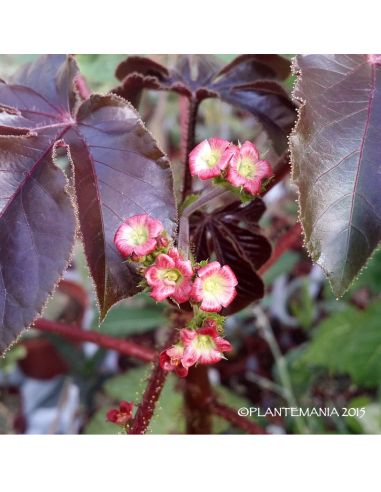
[239, 165]
[122, 415]
[209, 287]
[204, 346]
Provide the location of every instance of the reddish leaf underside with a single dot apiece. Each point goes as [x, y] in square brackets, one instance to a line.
[119, 172]
[336, 152]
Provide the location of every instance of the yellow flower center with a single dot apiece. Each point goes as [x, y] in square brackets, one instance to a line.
[204, 343]
[212, 285]
[246, 168]
[172, 275]
[212, 158]
[139, 235]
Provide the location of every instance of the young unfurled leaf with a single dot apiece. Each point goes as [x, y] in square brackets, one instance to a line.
[336, 150]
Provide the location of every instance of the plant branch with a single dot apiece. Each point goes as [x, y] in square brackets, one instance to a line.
[125, 347]
[151, 395]
[156, 381]
[197, 395]
[189, 144]
[232, 416]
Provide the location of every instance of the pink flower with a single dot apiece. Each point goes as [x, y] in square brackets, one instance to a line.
[214, 287]
[121, 415]
[137, 235]
[170, 360]
[247, 170]
[170, 276]
[204, 346]
[209, 158]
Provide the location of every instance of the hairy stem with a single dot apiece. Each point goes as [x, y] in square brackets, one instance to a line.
[232, 416]
[198, 395]
[125, 347]
[157, 379]
[151, 395]
[189, 144]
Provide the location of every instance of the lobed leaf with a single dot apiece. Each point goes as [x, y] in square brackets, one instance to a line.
[119, 172]
[37, 222]
[336, 152]
[250, 82]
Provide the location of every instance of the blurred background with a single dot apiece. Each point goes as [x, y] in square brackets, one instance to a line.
[298, 346]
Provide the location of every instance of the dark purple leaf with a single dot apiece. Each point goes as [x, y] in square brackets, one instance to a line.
[119, 172]
[37, 222]
[249, 82]
[232, 235]
[336, 150]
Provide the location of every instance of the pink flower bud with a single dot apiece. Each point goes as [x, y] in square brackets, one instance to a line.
[121, 416]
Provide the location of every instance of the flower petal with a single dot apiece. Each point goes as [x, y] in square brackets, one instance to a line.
[227, 273]
[196, 293]
[155, 227]
[145, 248]
[164, 261]
[248, 149]
[190, 356]
[210, 356]
[208, 269]
[182, 291]
[187, 336]
[162, 292]
[223, 345]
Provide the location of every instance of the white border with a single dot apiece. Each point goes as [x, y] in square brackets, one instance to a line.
[196, 26]
[189, 463]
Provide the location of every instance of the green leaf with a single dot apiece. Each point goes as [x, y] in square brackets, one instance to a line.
[125, 319]
[349, 342]
[371, 276]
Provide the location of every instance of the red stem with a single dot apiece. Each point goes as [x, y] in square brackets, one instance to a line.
[285, 242]
[125, 347]
[198, 393]
[189, 144]
[231, 415]
[151, 394]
